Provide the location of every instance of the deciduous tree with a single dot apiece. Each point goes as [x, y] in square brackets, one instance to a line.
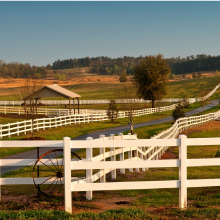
[151, 77]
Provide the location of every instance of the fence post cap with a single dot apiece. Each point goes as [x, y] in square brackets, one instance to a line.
[120, 134]
[89, 138]
[101, 135]
[182, 136]
[66, 138]
[112, 135]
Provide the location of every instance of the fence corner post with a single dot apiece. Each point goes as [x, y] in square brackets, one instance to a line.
[89, 172]
[67, 174]
[183, 172]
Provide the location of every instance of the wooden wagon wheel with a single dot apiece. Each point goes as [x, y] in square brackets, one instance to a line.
[53, 173]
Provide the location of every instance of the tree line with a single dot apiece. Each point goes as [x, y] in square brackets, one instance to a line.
[101, 65]
[19, 70]
[200, 62]
[125, 65]
[104, 65]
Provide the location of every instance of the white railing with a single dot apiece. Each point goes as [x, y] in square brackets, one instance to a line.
[16, 128]
[56, 112]
[31, 162]
[124, 148]
[107, 101]
[6, 130]
[187, 122]
[99, 162]
[50, 112]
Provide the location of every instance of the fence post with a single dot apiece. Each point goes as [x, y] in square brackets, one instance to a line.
[183, 172]
[18, 129]
[37, 125]
[130, 157]
[89, 172]
[9, 135]
[136, 153]
[113, 157]
[102, 151]
[67, 174]
[122, 156]
[1, 131]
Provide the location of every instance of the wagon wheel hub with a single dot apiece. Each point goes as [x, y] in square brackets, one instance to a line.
[59, 174]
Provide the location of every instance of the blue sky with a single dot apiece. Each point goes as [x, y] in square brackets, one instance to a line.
[42, 32]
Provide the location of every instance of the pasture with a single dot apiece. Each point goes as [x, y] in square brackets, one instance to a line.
[106, 87]
[203, 203]
[129, 204]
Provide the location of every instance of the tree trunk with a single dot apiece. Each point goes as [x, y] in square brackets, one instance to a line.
[153, 103]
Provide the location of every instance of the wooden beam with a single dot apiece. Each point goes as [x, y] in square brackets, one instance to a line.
[69, 106]
[74, 106]
[78, 104]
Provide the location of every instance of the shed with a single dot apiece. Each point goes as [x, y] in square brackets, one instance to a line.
[54, 91]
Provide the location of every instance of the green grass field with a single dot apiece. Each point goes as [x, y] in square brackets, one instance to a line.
[203, 203]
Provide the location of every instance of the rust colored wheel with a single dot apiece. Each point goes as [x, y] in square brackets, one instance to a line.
[53, 184]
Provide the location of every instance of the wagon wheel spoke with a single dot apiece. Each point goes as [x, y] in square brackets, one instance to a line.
[51, 184]
[47, 166]
[52, 162]
[45, 181]
[57, 161]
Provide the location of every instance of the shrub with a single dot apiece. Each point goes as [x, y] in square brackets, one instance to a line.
[112, 111]
[123, 77]
[178, 112]
[217, 154]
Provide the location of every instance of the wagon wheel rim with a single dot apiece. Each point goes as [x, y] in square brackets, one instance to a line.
[56, 173]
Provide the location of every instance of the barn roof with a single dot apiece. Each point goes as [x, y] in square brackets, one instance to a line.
[52, 91]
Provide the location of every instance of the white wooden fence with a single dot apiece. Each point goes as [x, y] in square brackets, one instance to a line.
[138, 162]
[50, 112]
[141, 160]
[6, 130]
[16, 128]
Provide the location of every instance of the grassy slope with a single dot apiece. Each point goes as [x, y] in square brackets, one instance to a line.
[179, 89]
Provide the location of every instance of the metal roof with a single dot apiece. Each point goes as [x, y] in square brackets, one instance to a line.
[52, 91]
